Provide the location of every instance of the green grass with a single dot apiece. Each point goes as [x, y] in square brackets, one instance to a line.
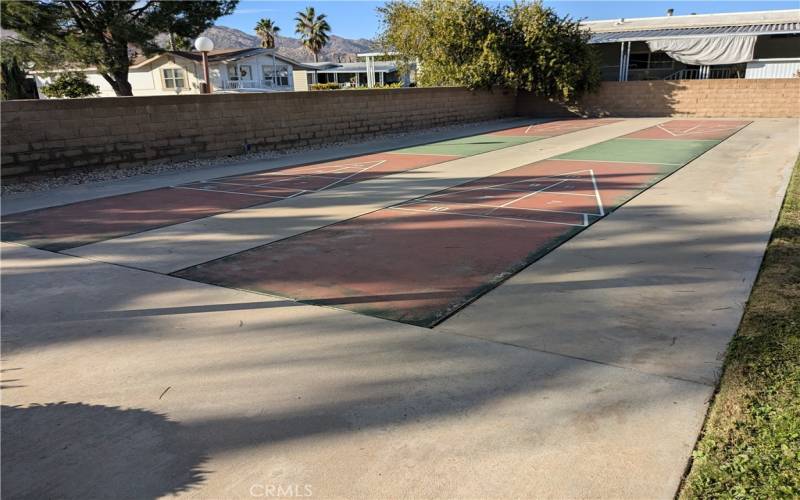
[642, 151]
[468, 146]
[750, 446]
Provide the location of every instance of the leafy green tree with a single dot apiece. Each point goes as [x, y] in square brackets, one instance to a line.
[313, 30]
[102, 33]
[177, 42]
[547, 54]
[12, 80]
[267, 31]
[456, 42]
[466, 43]
[70, 84]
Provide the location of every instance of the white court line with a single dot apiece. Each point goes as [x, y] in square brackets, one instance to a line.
[528, 195]
[597, 195]
[489, 217]
[352, 175]
[298, 193]
[482, 205]
[289, 179]
[338, 180]
[530, 179]
[506, 205]
[660, 125]
[706, 130]
[555, 191]
[224, 183]
[231, 192]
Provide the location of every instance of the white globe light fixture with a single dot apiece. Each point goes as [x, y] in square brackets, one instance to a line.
[204, 45]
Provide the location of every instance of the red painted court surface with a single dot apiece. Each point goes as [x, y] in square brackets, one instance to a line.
[419, 261]
[77, 224]
[554, 128]
[289, 182]
[691, 130]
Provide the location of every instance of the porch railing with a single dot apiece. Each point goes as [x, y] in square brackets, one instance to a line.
[695, 74]
[246, 85]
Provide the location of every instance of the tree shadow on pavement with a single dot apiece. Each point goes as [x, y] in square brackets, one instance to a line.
[77, 450]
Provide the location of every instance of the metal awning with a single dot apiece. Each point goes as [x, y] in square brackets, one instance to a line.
[643, 35]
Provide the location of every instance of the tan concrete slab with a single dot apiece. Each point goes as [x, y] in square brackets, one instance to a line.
[176, 247]
[659, 285]
[20, 202]
[125, 383]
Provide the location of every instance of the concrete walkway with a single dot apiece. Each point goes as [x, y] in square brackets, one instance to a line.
[120, 382]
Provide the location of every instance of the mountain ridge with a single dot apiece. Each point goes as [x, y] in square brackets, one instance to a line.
[338, 49]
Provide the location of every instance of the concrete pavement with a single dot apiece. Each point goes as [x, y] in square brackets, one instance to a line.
[577, 378]
[172, 386]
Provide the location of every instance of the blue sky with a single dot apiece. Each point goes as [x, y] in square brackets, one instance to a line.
[358, 19]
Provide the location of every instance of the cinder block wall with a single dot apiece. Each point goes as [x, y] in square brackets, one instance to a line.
[51, 135]
[40, 137]
[699, 98]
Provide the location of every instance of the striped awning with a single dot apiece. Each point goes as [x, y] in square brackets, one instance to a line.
[652, 34]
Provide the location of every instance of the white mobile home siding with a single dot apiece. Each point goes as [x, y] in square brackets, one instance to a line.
[773, 68]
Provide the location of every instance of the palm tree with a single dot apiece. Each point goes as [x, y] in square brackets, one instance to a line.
[313, 30]
[267, 31]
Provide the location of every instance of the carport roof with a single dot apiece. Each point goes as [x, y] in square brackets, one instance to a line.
[650, 34]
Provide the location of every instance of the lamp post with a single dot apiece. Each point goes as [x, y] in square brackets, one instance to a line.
[204, 45]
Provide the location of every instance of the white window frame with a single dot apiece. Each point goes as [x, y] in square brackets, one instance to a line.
[267, 73]
[282, 75]
[174, 76]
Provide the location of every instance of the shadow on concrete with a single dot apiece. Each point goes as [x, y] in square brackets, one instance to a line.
[77, 450]
[303, 379]
[107, 300]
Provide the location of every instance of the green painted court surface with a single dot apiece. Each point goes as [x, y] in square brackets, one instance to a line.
[469, 146]
[667, 152]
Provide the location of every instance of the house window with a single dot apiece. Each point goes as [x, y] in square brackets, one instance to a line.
[267, 74]
[283, 76]
[246, 72]
[173, 78]
[660, 60]
[233, 76]
[639, 61]
[651, 60]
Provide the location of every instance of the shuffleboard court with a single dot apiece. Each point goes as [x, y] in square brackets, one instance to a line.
[641, 151]
[69, 226]
[691, 130]
[77, 224]
[556, 127]
[420, 261]
[468, 146]
[294, 181]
